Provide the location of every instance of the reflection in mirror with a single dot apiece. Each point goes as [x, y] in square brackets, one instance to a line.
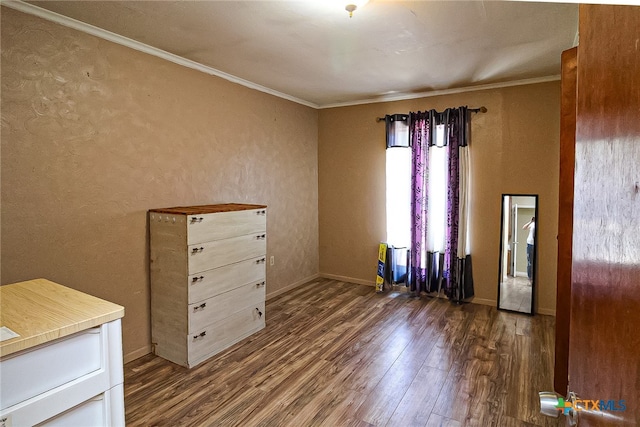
[518, 243]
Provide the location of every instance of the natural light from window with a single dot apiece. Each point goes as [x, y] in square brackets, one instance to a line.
[398, 196]
[437, 192]
[398, 177]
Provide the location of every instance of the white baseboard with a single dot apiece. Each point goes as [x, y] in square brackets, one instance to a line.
[348, 279]
[292, 286]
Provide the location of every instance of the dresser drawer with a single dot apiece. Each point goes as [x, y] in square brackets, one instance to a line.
[207, 274]
[223, 225]
[208, 283]
[209, 255]
[224, 305]
[49, 366]
[225, 333]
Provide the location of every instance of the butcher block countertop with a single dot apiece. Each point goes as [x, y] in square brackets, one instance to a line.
[41, 311]
[205, 209]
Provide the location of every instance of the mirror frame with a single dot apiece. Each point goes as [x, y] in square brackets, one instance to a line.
[535, 253]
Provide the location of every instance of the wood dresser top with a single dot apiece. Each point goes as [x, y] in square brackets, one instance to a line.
[41, 311]
[205, 209]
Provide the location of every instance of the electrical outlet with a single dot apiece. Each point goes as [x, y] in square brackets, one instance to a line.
[272, 260]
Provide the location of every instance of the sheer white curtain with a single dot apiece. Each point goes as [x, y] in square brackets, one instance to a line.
[464, 246]
[437, 190]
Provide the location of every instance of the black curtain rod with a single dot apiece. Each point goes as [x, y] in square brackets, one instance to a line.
[482, 109]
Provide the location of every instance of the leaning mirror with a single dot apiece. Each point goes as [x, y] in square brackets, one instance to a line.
[518, 243]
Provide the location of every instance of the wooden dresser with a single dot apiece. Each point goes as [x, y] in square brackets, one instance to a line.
[207, 278]
[65, 366]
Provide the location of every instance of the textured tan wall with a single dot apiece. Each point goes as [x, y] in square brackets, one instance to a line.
[514, 150]
[94, 134]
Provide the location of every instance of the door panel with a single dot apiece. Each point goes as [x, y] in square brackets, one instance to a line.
[565, 217]
[514, 241]
[604, 343]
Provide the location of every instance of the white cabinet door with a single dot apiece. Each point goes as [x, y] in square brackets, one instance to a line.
[46, 381]
[101, 410]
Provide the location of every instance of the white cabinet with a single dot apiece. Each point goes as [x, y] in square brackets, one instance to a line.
[207, 266]
[65, 367]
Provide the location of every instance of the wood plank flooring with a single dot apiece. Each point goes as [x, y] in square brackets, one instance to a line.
[338, 354]
[516, 294]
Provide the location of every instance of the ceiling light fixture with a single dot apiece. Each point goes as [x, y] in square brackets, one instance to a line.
[353, 5]
[350, 8]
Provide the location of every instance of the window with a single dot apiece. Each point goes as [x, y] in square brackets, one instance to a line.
[398, 189]
[398, 173]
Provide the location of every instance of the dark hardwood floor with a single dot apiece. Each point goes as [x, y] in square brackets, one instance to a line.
[338, 354]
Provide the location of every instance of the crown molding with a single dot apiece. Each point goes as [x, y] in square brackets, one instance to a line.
[141, 47]
[405, 96]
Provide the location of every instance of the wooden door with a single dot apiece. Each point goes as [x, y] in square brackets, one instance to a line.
[565, 216]
[604, 343]
[513, 232]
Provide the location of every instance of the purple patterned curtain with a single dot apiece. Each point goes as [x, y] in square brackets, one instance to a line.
[450, 270]
[421, 130]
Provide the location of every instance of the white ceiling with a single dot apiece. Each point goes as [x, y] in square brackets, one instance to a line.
[312, 52]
